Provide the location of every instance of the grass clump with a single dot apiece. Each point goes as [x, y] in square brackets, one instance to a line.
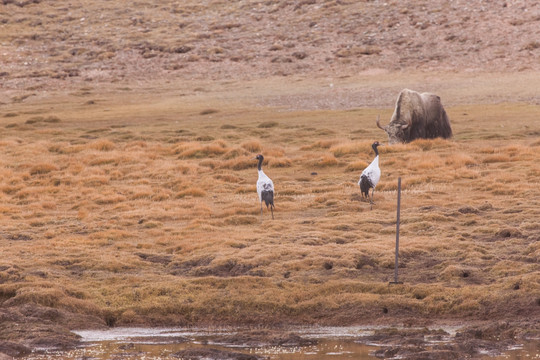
[324, 161]
[192, 191]
[41, 169]
[199, 151]
[341, 150]
[356, 166]
[240, 163]
[268, 124]
[252, 146]
[321, 144]
[101, 145]
[279, 162]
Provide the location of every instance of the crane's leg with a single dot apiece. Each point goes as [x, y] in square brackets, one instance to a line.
[272, 210]
[371, 201]
[261, 211]
[363, 196]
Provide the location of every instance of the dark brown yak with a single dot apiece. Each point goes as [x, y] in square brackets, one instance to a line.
[417, 116]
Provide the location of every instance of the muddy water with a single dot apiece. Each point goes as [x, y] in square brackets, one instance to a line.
[144, 343]
[149, 344]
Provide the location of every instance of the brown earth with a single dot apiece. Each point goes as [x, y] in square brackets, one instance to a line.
[77, 73]
[47, 46]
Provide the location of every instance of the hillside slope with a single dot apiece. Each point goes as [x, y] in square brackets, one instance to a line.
[103, 40]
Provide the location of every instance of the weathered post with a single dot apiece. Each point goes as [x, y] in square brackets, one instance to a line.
[396, 265]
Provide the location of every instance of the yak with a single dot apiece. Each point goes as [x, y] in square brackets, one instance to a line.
[417, 116]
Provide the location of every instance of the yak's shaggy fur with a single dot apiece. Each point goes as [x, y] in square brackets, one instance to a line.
[417, 116]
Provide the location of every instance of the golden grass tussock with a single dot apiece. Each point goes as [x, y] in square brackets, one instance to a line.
[253, 146]
[198, 150]
[229, 178]
[486, 150]
[240, 163]
[109, 198]
[429, 144]
[240, 209]
[274, 151]
[356, 166]
[321, 144]
[191, 191]
[236, 152]
[323, 161]
[426, 162]
[101, 145]
[65, 148]
[46, 296]
[112, 234]
[352, 148]
[242, 220]
[279, 162]
[459, 160]
[141, 192]
[101, 161]
[246, 189]
[43, 168]
[496, 158]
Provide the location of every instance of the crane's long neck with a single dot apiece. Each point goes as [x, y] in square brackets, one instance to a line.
[376, 151]
[259, 165]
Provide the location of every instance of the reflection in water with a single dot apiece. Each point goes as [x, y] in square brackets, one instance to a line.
[150, 344]
[529, 351]
[326, 349]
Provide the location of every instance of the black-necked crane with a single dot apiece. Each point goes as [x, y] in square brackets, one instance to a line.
[370, 176]
[265, 188]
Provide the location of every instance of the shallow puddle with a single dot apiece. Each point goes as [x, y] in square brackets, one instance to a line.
[145, 343]
[110, 350]
[165, 343]
[527, 351]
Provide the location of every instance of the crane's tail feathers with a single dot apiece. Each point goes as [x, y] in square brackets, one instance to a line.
[365, 185]
[268, 198]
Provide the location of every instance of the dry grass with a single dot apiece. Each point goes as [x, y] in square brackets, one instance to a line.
[148, 214]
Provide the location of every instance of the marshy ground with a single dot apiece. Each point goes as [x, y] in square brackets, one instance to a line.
[127, 187]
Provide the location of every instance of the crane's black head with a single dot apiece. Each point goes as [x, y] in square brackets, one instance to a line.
[260, 158]
[375, 145]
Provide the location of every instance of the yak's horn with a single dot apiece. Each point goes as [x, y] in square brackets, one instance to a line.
[379, 122]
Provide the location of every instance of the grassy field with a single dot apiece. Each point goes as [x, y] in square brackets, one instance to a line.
[138, 205]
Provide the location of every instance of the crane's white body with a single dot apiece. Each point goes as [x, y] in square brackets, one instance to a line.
[265, 188]
[370, 176]
[264, 183]
[372, 172]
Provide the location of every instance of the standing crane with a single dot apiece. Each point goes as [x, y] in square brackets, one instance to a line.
[265, 188]
[370, 176]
